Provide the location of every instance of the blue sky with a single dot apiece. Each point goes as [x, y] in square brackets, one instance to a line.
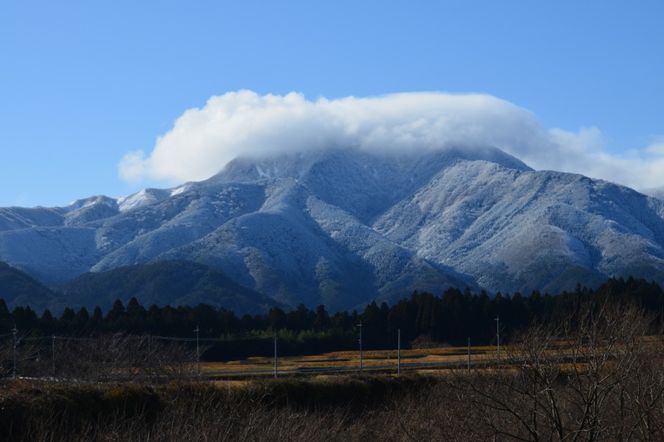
[83, 83]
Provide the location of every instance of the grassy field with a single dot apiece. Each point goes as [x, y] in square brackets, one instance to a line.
[350, 360]
[423, 360]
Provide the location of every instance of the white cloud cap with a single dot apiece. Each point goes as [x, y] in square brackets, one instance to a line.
[243, 123]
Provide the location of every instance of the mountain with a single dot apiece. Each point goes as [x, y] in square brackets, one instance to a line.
[17, 288]
[168, 282]
[343, 226]
[655, 192]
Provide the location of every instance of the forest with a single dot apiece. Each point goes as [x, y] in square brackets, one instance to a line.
[423, 318]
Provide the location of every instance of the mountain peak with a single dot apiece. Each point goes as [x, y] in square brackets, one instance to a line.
[364, 183]
[344, 226]
[299, 165]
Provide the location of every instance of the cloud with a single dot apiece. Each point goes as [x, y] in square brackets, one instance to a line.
[203, 140]
[656, 148]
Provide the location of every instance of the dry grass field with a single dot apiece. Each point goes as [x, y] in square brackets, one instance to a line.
[429, 361]
[601, 380]
[383, 360]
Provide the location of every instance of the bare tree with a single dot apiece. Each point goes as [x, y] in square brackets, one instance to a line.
[124, 357]
[6, 348]
[595, 376]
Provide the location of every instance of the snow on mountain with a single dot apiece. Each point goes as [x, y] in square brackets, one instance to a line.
[655, 192]
[142, 198]
[525, 230]
[345, 226]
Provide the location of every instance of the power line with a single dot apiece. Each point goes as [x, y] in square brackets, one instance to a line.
[75, 338]
[147, 340]
[35, 338]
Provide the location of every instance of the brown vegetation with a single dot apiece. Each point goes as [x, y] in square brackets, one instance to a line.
[592, 377]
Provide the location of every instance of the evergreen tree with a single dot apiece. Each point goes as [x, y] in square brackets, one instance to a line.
[97, 320]
[322, 319]
[6, 320]
[276, 318]
[115, 318]
[82, 319]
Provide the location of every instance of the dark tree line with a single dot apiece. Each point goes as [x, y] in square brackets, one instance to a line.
[451, 318]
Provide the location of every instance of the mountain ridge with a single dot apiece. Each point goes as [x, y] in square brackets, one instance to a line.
[162, 283]
[18, 288]
[344, 227]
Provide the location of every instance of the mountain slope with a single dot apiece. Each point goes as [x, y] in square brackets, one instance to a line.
[169, 282]
[344, 226]
[657, 192]
[19, 289]
[525, 230]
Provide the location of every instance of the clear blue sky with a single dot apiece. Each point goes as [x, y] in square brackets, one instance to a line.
[83, 82]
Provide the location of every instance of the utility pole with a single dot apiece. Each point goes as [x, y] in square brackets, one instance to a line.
[53, 354]
[398, 352]
[275, 356]
[361, 356]
[468, 354]
[497, 336]
[14, 333]
[198, 355]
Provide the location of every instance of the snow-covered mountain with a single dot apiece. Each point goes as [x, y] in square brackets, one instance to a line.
[346, 226]
[656, 192]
